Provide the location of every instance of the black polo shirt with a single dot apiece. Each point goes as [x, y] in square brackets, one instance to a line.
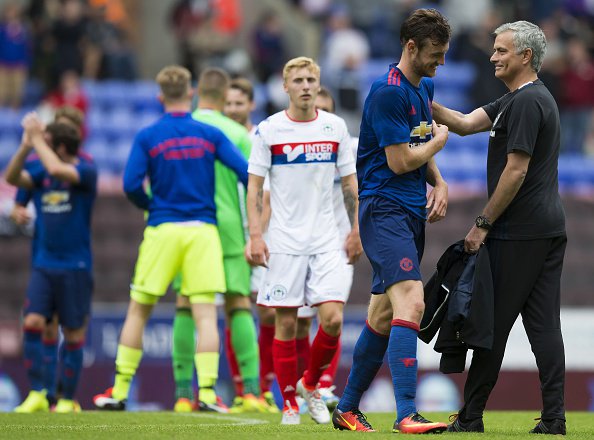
[527, 120]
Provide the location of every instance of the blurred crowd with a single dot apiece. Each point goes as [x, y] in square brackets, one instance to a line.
[58, 41]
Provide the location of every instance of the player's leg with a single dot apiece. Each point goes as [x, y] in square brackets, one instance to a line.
[183, 349]
[266, 318]
[283, 289]
[243, 329]
[50, 359]
[158, 262]
[305, 316]
[74, 308]
[368, 357]
[38, 311]
[203, 276]
[265, 338]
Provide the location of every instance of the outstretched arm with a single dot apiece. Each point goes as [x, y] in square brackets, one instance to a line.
[460, 123]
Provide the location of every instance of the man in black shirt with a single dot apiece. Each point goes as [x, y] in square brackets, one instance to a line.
[522, 224]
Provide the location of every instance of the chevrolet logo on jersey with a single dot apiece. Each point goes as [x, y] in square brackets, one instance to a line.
[56, 202]
[421, 131]
[55, 197]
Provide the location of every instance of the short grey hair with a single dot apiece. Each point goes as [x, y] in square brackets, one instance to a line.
[527, 36]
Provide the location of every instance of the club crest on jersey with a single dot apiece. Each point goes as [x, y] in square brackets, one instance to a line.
[311, 152]
[327, 129]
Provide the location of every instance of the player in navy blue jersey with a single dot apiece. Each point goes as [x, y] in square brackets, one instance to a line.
[21, 216]
[63, 188]
[397, 142]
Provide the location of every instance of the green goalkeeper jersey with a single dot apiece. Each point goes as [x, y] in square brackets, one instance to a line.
[229, 193]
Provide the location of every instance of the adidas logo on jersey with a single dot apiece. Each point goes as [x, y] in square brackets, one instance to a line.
[289, 388]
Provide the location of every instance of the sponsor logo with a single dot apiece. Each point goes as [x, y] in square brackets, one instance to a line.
[55, 202]
[304, 152]
[406, 264]
[421, 131]
[278, 292]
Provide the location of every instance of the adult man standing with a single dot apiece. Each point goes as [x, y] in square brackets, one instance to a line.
[238, 106]
[305, 146]
[178, 154]
[63, 188]
[523, 223]
[394, 163]
[231, 218]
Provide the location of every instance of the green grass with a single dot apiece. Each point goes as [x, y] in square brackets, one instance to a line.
[198, 426]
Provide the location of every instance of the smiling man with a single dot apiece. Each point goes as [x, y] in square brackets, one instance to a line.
[522, 224]
[300, 148]
[394, 164]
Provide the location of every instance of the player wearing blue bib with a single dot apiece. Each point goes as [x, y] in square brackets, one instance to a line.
[395, 162]
[63, 188]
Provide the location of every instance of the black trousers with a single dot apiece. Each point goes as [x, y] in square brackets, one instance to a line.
[527, 281]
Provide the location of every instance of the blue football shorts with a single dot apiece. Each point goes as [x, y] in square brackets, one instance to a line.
[393, 240]
[66, 292]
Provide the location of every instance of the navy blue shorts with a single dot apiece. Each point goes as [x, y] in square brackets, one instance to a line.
[393, 240]
[66, 292]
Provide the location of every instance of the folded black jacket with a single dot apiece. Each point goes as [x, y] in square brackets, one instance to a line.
[459, 304]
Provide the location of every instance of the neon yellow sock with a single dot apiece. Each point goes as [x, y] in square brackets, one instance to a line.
[207, 369]
[127, 361]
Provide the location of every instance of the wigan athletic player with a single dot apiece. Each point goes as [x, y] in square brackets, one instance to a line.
[299, 149]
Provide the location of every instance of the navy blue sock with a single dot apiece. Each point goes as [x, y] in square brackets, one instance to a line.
[33, 351]
[402, 356]
[368, 357]
[50, 361]
[70, 368]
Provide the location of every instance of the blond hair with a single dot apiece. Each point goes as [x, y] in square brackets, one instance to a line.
[174, 82]
[300, 63]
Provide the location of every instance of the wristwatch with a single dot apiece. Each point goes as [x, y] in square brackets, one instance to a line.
[483, 223]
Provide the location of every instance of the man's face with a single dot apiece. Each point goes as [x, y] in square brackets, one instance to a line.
[238, 106]
[426, 59]
[302, 86]
[507, 62]
[324, 103]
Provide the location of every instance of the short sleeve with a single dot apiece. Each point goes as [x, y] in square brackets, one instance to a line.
[492, 109]
[87, 172]
[345, 162]
[389, 117]
[260, 156]
[523, 123]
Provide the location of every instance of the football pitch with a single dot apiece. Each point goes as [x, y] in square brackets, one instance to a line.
[168, 425]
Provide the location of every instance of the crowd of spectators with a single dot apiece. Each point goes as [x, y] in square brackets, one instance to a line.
[49, 40]
[54, 42]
